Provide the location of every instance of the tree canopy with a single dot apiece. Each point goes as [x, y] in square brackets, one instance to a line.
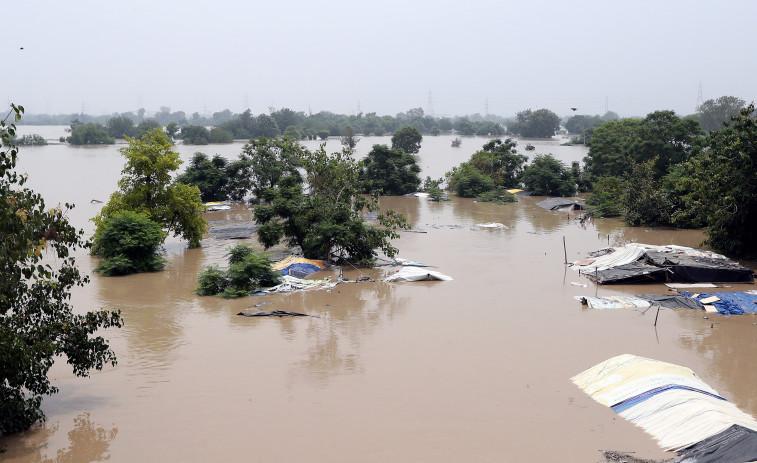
[407, 139]
[390, 171]
[320, 213]
[146, 187]
[541, 123]
[208, 175]
[724, 178]
[616, 146]
[547, 176]
[715, 114]
[37, 321]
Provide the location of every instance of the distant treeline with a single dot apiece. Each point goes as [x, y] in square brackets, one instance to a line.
[296, 124]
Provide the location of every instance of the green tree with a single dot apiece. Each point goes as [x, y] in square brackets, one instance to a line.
[146, 126]
[29, 140]
[120, 127]
[616, 146]
[724, 174]
[209, 176]
[468, 182]
[37, 321]
[348, 137]
[325, 221]
[263, 163]
[248, 272]
[465, 127]
[266, 126]
[194, 135]
[607, 198]
[323, 134]
[390, 171]
[219, 135]
[146, 187]
[547, 176]
[645, 200]
[541, 123]
[407, 139]
[609, 148]
[129, 242]
[715, 114]
[501, 162]
[666, 137]
[293, 133]
[172, 130]
[89, 134]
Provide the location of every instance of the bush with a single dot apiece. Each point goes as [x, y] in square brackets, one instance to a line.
[547, 176]
[30, 140]
[607, 199]
[469, 182]
[499, 196]
[129, 242]
[248, 272]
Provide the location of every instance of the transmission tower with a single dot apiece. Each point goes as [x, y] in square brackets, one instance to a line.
[430, 105]
[486, 108]
[700, 99]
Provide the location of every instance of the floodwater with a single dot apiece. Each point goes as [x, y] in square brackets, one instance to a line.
[475, 369]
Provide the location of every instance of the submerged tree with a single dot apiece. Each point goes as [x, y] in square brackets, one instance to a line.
[724, 172]
[146, 187]
[390, 171]
[322, 214]
[37, 321]
[407, 139]
[547, 176]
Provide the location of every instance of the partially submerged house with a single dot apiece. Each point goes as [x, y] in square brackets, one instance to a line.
[560, 204]
[637, 262]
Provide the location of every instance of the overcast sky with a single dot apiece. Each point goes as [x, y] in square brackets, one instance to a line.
[385, 56]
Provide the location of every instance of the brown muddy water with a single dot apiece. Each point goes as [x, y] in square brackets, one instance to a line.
[475, 369]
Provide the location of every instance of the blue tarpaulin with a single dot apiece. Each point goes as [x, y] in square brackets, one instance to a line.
[730, 303]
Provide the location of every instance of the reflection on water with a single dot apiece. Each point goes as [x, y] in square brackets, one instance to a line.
[87, 441]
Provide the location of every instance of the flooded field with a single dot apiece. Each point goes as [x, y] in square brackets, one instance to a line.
[475, 369]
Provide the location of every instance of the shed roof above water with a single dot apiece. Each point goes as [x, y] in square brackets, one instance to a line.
[556, 204]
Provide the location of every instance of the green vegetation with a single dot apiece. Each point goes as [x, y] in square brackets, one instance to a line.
[390, 171]
[209, 176]
[541, 123]
[320, 213]
[120, 127]
[29, 140]
[496, 164]
[348, 137]
[408, 139]
[247, 273]
[547, 176]
[724, 172]
[199, 135]
[262, 164]
[129, 242]
[499, 195]
[88, 134]
[146, 187]
[37, 321]
[606, 199]
[715, 114]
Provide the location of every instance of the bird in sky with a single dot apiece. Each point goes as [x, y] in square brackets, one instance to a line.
[574, 109]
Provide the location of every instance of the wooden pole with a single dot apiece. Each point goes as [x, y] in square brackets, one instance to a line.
[565, 250]
[658, 314]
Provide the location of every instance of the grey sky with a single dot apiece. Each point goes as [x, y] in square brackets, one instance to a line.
[106, 56]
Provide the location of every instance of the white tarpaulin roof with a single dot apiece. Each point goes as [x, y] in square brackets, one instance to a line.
[417, 274]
